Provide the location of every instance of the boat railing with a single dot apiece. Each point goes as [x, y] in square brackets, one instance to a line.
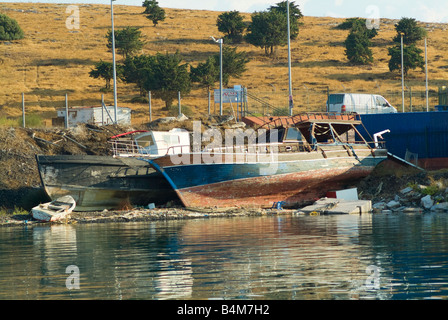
[129, 148]
[124, 147]
[251, 148]
[282, 147]
[183, 149]
[310, 116]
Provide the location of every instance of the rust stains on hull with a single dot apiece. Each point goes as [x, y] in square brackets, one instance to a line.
[296, 179]
[103, 182]
[294, 189]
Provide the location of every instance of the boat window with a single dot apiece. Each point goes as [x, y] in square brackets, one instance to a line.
[171, 140]
[145, 141]
[293, 134]
[271, 136]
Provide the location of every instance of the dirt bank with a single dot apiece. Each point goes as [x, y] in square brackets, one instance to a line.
[19, 179]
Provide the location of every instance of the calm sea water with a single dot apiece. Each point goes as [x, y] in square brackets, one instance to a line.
[395, 256]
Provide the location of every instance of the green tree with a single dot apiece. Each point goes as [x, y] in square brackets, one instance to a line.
[412, 58]
[166, 77]
[268, 29]
[206, 73]
[294, 14]
[349, 23]
[127, 41]
[9, 29]
[233, 63]
[153, 11]
[410, 30]
[232, 25]
[135, 70]
[105, 70]
[357, 44]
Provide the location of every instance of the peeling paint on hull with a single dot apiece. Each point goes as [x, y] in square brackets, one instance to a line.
[297, 179]
[293, 189]
[101, 182]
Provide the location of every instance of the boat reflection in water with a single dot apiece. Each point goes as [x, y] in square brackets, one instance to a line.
[238, 258]
[369, 256]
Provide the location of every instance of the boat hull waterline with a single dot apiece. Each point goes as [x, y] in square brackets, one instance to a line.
[103, 182]
[253, 185]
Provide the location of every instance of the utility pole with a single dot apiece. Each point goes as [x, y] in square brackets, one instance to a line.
[114, 60]
[291, 101]
[426, 71]
[402, 73]
[220, 42]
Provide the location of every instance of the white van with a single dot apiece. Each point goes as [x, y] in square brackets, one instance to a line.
[359, 103]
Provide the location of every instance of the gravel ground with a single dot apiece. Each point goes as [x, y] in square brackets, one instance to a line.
[137, 215]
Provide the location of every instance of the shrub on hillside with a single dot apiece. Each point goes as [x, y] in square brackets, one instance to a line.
[10, 29]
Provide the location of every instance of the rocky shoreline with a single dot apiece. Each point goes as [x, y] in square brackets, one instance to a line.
[142, 215]
[414, 199]
[410, 198]
[397, 189]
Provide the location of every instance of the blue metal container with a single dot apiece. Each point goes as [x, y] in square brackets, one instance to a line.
[422, 133]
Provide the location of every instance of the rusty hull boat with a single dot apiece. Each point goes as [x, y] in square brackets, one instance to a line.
[310, 155]
[102, 182]
[117, 181]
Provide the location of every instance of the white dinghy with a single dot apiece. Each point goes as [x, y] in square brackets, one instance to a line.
[54, 210]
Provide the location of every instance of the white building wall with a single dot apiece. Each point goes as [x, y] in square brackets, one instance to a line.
[96, 115]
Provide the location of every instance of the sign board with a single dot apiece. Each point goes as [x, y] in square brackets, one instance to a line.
[229, 95]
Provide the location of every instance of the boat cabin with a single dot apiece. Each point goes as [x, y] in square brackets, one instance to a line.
[301, 133]
[311, 133]
[150, 143]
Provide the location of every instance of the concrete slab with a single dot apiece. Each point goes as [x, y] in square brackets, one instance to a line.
[338, 206]
[346, 194]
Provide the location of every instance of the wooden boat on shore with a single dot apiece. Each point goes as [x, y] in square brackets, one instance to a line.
[114, 182]
[309, 155]
[54, 210]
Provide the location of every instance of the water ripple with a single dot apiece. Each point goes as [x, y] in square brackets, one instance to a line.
[395, 256]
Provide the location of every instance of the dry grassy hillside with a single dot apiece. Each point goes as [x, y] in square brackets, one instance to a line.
[53, 60]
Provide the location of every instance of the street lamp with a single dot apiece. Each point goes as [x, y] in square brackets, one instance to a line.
[114, 60]
[426, 76]
[402, 73]
[291, 101]
[220, 41]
